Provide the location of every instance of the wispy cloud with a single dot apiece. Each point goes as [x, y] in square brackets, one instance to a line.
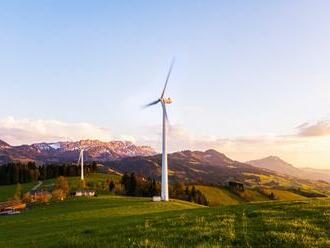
[27, 131]
[320, 128]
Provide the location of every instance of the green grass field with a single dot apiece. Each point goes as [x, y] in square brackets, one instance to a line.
[113, 221]
[8, 191]
[74, 182]
[217, 196]
[285, 195]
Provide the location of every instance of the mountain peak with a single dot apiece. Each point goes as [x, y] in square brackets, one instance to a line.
[4, 144]
[276, 164]
[274, 158]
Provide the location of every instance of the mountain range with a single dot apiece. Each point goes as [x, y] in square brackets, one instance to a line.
[210, 166]
[94, 150]
[278, 165]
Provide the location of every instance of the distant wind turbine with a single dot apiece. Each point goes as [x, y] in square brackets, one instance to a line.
[81, 161]
[163, 100]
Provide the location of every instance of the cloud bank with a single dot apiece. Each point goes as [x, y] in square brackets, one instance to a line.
[307, 145]
[25, 131]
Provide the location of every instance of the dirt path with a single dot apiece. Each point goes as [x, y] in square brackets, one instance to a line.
[37, 186]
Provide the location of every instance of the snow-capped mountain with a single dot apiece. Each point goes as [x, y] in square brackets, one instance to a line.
[95, 150]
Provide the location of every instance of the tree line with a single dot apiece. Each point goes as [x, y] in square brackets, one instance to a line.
[14, 173]
[139, 186]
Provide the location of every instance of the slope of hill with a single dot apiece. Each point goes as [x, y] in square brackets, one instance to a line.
[284, 195]
[276, 164]
[212, 167]
[109, 221]
[217, 196]
[209, 166]
[69, 151]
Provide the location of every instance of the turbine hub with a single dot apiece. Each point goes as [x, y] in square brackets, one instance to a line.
[166, 100]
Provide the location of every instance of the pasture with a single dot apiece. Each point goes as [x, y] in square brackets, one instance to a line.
[114, 221]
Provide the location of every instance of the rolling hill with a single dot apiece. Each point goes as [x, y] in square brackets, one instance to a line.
[278, 165]
[209, 166]
[212, 167]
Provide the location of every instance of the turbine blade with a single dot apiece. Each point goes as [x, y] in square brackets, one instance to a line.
[78, 160]
[152, 103]
[167, 78]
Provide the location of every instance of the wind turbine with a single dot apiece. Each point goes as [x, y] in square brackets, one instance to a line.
[81, 160]
[163, 100]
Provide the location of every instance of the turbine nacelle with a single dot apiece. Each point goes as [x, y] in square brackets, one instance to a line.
[166, 100]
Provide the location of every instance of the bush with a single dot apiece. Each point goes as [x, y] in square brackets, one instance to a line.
[62, 184]
[58, 194]
[27, 198]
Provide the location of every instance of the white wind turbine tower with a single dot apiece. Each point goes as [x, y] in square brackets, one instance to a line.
[81, 160]
[163, 100]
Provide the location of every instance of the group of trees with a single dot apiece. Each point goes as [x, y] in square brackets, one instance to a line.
[188, 193]
[14, 173]
[138, 186]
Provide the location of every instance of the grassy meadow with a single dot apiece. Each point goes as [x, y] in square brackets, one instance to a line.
[217, 196]
[95, 179]
[114, 221]
[8, 191]
[246, 220]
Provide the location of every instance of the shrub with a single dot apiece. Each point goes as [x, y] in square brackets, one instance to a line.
[27, 198]
[58, 194]
[62, 184]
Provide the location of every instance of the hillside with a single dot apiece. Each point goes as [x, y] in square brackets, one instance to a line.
[278, 165]
[217, 196]
[110, 221]
[284, 195]
[94, 150]
[209, 166]
[212, 167]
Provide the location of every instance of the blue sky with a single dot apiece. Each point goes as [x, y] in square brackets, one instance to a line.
[244, 69]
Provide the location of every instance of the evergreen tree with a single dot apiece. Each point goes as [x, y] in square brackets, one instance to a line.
[125, 181]
[112, 186]
[193, 194]
[132, 185]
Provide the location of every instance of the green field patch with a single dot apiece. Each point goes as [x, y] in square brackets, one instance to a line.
[284, 195]
[7, 192]
[217, 196]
